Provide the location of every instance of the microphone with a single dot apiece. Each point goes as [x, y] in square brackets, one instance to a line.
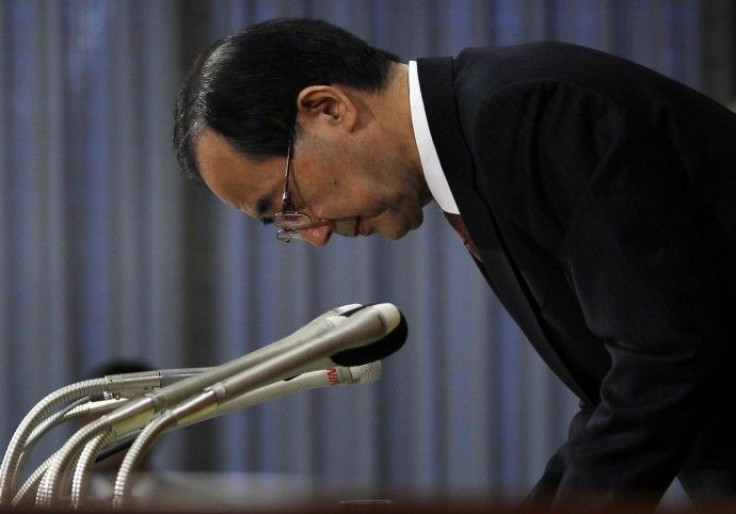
[345, 336]
[330, 377]
[380, 349]
[353, 339]
[338, 375]
[131, 385]
[108, 387]
[360, 335]
[139, 411]
[357, 337]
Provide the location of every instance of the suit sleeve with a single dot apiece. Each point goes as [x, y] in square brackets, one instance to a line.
[630, 246]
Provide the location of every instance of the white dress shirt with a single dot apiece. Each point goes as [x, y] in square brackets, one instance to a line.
[431, 166]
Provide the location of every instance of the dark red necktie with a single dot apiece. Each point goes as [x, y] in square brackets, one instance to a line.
[459, 225]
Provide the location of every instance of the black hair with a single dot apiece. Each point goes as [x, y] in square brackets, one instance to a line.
[245, 86]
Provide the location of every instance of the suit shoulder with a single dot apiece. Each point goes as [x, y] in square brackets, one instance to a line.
[544, 61]
[483, 72]
[540, 52]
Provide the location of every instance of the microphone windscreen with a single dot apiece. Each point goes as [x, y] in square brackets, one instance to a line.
[366, 373]
[377, 350]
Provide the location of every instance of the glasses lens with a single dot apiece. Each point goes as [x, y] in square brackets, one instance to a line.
[291, 220]
[287, 235]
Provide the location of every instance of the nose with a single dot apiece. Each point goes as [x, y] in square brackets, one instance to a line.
[318, 234]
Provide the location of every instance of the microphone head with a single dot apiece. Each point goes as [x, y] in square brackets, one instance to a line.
[397, 332]
[389, 314]
[366, 373]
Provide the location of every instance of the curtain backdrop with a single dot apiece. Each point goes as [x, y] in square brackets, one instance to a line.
[106, 252]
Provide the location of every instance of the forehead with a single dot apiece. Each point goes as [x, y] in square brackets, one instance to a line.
[237, 180]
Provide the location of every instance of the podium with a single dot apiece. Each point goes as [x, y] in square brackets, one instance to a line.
[257, 493]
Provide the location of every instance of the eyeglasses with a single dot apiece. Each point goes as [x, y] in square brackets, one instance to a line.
[289, 221]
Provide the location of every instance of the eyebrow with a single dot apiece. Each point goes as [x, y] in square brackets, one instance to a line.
[262, 207]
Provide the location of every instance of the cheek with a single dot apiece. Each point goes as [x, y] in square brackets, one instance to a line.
[346, 192]
[337, 198]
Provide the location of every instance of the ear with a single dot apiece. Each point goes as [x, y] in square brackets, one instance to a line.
[326, 104]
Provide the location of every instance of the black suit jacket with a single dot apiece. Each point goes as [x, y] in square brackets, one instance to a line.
[602, 198]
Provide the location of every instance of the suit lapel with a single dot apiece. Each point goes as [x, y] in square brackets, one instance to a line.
[501, 273]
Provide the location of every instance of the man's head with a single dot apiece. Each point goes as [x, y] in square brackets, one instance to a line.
[338, 101]
[244, 87]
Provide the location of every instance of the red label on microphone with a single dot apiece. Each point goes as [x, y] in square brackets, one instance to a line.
[332, 376]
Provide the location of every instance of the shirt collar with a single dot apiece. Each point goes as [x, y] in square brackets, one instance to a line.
[431, 165]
